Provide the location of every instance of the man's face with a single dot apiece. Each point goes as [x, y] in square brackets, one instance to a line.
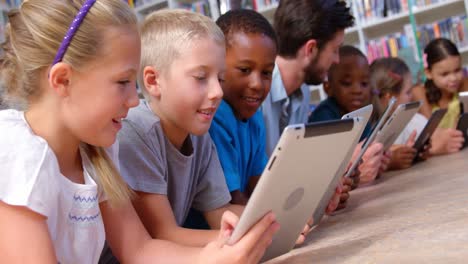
[317, 70]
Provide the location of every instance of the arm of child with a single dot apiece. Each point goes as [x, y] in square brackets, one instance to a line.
[157, 216]
[213, 217]
[419, 94]
[131, 243]
[29, 241]
[242, 198]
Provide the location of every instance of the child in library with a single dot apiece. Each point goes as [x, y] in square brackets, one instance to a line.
[445, 79]
[61, 186]
[348, 90]
[238, 129]
[443, 69]
[391, 77]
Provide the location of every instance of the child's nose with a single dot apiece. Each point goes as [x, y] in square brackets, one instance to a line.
[132, 99]
[215, 92]
[255, 81]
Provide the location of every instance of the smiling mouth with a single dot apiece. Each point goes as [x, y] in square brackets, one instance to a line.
[251, 99]
[117, 120]
[207, 112]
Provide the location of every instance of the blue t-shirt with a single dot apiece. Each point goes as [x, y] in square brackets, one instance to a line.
[328, 109]
[240, 145]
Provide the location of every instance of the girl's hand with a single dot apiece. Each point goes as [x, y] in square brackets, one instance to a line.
[446, 141]
[249, 249]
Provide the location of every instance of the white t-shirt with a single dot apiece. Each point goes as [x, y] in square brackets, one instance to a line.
[30, 177]
[418, 122]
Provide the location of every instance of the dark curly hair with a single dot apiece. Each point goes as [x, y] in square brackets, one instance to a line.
[245, 21]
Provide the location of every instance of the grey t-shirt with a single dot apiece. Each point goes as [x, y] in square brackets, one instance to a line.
[150, 163]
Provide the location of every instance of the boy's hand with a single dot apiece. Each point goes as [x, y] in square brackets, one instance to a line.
[249, 249]
[402, 157]
[335, 200]
[355, 177]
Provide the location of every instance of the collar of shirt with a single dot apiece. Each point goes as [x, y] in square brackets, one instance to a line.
[278, 92]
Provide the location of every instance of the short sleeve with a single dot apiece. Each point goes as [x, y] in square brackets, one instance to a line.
[140, 159]
[260, 157]
[212, 191]
[222, 137]
[29, 169]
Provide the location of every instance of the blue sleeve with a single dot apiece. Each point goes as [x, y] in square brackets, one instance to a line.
[260, 157]
[222, 136]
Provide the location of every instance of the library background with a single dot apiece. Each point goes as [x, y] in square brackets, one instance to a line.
[383, 27]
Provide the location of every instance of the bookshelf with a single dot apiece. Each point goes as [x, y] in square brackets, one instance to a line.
[374, 27]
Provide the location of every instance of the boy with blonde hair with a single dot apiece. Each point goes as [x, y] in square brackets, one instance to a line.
[166, 155]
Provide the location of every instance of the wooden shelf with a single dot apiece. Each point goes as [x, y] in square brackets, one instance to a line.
[463, 50]
[404, 16]
[351, 30]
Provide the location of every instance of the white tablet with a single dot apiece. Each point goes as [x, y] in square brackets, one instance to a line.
[302, 166]
[396, 123]
[364, 114]
[368, 141]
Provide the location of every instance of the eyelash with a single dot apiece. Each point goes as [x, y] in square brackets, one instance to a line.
[199, 78]
[124, 82]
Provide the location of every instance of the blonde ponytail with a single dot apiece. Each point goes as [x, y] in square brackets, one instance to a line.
[109, 179]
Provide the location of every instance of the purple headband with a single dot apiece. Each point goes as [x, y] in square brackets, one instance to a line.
[72, 30]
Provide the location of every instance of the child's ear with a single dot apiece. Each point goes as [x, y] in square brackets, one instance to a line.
[385, 98]
[326, 88]
[151, 81]
[59, 78]
[428, 74]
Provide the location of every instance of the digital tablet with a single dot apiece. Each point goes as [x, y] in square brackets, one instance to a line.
[427, 131]
[463, 97]
[396, 123]
[302, 166]
[368, 141]
[463, 127]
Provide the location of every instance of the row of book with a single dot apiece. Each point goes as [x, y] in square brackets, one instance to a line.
[371, 10]
[202, 7]
[454, 28]
[388, 46]
[226, 5]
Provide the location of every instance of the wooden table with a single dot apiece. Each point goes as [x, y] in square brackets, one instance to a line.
[418, 215]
